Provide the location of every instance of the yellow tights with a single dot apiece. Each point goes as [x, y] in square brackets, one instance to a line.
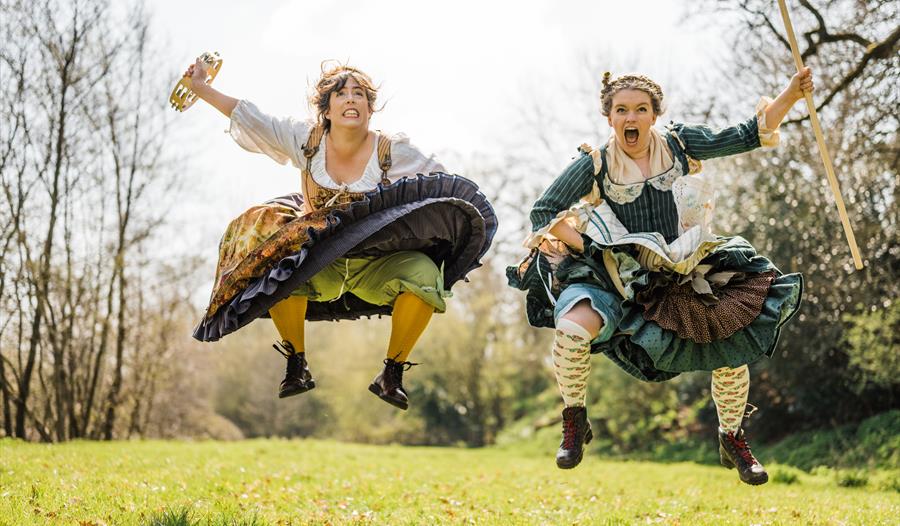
[408, 321]
[289, 316]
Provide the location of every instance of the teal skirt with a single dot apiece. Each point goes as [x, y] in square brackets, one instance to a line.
[642, 347]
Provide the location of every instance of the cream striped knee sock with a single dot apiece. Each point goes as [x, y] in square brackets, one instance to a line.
[572, 361]
[729, 393]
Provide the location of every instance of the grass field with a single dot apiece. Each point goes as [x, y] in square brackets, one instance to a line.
[314, 482]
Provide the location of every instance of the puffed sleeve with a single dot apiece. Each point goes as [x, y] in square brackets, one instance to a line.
[282, 139]
[407, 160]
[768, 137]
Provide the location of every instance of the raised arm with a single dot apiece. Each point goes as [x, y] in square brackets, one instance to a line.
[281, 139]
[215, 98]
[701, 142]
[800, 83]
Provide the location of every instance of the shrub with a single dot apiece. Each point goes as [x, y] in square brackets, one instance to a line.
[891, 482]
[785, 475]
[852, 478]
[879, 439]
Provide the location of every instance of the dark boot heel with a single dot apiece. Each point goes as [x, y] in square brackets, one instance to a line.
[389, 384]
[724, 460]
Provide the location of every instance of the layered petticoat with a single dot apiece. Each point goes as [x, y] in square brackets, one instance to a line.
[648, 351]
[279, 248]
[699, 303]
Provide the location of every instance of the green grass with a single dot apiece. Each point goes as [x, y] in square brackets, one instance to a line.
[314, 482]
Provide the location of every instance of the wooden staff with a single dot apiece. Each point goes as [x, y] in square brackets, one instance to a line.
[820, 139]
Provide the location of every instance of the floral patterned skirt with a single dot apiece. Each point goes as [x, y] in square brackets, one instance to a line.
[251, 243]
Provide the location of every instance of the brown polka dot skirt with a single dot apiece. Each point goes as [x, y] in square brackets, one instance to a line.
[695, 317]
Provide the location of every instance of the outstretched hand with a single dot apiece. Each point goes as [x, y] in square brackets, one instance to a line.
[801, 83]
[197, 73]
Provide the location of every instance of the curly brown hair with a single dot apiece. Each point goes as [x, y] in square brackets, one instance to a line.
[638, 82]
[334, 78]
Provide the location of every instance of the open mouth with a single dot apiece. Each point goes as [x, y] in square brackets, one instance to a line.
[351, 113]
[631, 136]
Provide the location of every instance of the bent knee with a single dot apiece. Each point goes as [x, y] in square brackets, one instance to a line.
[413, 266]
[584, 315]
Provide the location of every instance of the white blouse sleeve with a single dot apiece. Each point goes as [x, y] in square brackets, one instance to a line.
[768, 137]
[282, 139]
[407, 160]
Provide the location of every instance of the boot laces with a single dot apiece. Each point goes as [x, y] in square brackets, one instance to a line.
[393, 370]
[294, 359]
[570, 433]
[742, 448]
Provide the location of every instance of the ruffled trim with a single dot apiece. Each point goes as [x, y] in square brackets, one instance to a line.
[650, 353]
[628, 192]
[411, 214]
[768, 137]
[605, 231]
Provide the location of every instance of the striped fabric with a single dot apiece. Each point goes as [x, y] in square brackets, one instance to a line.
[576, 181]
[654, 210]
[701, 142]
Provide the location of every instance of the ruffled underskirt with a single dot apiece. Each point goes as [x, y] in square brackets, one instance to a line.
[652, 352]
[444, 216]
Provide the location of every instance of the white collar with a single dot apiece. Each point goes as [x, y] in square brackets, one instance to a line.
[370, 178]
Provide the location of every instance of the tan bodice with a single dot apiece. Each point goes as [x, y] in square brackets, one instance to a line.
[317, 197]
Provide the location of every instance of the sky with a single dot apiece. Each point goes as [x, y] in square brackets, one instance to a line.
[452, 75]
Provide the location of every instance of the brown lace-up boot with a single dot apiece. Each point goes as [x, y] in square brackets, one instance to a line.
[576, 433]
[297, 378]
[389, 384]
[734, 452]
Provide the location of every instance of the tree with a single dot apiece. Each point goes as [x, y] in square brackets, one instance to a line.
[788, 212]
[83, 165]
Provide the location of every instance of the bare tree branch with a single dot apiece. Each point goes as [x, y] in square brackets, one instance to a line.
[880, 51]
